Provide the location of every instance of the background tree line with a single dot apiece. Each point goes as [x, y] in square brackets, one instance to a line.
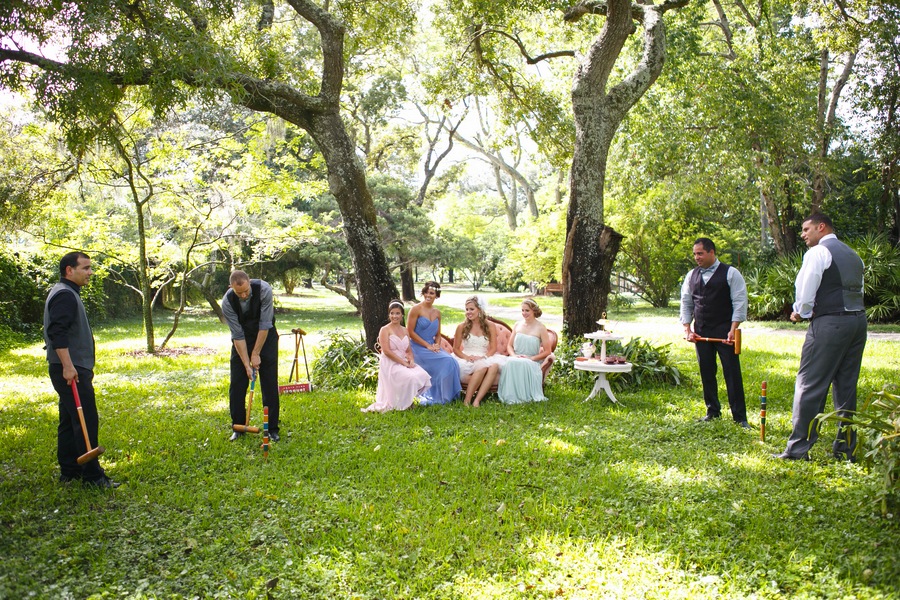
[357, 145]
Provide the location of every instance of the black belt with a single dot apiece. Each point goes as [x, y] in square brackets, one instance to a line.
[841, 313]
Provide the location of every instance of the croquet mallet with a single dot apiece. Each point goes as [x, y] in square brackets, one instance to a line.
[90, 454]
[737, 340]
[246, 428]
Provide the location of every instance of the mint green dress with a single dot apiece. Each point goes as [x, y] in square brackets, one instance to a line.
[520, 378]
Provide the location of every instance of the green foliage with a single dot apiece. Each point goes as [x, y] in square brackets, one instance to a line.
[770, 289]
[878, 425]
[345, 363]
[21, 300]
[659, 234]
[653, 365]
[535, 253]
[882, 276]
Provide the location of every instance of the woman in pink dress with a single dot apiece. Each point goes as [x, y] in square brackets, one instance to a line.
[400, 380]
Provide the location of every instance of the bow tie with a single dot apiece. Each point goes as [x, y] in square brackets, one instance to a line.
[707, 270]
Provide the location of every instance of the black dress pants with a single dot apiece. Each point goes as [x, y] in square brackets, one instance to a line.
[266, 381]
[731, 371]
[69, 437]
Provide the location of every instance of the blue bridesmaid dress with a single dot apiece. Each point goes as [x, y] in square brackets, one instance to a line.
[442, 367]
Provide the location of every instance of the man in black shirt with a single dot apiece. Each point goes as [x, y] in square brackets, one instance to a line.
[70, 354]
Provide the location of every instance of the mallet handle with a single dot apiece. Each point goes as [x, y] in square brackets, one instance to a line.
[91, 453]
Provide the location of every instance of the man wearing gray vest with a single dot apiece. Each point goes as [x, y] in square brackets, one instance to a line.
[829, 291]
[249, 309]
[70, 354]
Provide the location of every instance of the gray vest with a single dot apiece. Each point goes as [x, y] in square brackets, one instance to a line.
[841, 286]
[81, 339]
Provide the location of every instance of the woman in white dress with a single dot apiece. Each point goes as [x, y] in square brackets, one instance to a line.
[475, 348]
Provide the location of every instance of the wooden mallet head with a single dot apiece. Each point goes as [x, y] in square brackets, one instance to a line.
[737, 341]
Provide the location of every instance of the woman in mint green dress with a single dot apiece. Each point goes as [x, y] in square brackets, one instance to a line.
[521, 379]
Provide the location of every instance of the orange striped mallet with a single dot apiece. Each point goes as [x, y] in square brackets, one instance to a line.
[762, 413]
[265, 444]
[90, 454]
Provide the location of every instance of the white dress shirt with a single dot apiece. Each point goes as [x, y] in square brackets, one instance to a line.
[815, 261]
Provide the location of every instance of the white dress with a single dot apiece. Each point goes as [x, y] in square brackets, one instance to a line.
[477, 345]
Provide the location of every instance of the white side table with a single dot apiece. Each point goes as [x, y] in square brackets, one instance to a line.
[602, 337]
[599, 367]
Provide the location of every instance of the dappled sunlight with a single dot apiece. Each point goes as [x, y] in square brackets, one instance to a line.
[618, 566]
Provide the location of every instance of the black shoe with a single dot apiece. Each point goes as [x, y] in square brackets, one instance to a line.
[786, 456]
[744, 424]
[103, 482]
[707, 418]
[273, 436]
[844, 456]
[235, 435]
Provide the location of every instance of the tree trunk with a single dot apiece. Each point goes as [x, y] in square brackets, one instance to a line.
[347, 182]
[407, 284]
[591, 247]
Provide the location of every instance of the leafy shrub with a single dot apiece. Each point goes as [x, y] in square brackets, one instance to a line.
[882, 277]
[11, 339]
[770, 289]
[21, 301]
[878, 424]
[345, 363]
[651, 365]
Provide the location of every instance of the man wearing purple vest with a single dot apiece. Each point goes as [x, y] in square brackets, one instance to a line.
[249, 310]
[829, 291]
[714, 297]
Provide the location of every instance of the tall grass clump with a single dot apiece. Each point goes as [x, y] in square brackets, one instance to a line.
[878, 424]
[345, 363]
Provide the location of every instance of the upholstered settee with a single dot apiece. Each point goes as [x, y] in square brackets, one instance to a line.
[504, 332]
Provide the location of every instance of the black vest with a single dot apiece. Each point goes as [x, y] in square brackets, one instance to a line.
[841, 286]
[712, 302]
[250, 320]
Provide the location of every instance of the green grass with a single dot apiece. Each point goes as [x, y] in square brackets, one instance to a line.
[560, 499]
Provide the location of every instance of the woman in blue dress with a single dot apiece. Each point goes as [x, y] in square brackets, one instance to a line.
[424, 328]
[521, 379]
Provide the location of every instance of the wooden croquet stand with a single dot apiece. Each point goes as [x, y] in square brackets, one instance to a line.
[294, 385]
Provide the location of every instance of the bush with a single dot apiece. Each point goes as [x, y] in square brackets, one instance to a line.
[882, 277]
[345, 364]
[770, 289]
[877, 423]
[651, 365]
[21, 300]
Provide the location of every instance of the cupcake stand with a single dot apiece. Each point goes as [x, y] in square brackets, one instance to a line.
[600, 366]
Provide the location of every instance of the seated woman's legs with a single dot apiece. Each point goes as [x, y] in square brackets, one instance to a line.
[473, 385]
[488, 378]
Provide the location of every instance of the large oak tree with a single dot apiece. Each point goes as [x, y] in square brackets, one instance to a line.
[82, 57]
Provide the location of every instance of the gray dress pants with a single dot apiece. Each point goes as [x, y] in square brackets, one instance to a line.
[831, 357]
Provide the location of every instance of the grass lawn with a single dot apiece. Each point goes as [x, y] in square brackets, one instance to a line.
[563, 499]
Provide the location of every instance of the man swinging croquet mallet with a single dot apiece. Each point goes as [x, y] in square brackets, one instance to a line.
[250, 313]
